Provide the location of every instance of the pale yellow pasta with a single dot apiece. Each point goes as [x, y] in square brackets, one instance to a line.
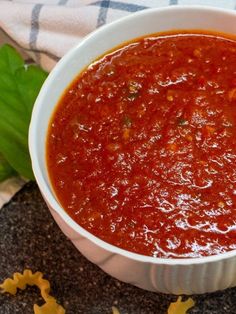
[20, 281]
[180, 307]
[50, 306]
[115, 310]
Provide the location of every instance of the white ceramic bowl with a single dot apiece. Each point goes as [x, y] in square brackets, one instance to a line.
[177, 276]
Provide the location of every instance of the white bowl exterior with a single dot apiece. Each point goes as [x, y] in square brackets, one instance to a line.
[183, 276]
[175, 279]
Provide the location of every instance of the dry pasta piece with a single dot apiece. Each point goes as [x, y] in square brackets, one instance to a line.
[20, 281]
[180, 307]
[115, 310]
[50, 306]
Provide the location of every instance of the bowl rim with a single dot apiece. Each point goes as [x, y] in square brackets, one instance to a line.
[43, 184]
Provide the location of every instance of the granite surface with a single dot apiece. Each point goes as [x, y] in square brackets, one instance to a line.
[29, 238]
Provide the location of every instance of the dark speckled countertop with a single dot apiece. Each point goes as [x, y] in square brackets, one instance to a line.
[29, 238]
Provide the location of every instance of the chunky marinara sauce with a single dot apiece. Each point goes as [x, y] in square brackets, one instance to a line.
[141, 149]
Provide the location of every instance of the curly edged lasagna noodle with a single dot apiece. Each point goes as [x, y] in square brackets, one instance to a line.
[20, 281]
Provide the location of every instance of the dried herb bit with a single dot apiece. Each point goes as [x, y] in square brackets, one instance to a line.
[182, 122]
[133, 90]
[127, 122]
[132, 96]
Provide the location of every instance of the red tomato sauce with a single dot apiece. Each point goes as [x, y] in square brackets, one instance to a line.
[141, 149]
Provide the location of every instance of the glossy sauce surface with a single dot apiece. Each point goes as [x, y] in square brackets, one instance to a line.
[141, 150]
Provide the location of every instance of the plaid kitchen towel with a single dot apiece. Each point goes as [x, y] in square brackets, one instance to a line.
[45, 30]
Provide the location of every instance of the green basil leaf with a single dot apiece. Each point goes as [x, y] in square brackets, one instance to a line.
[19, 87]
[6, 171]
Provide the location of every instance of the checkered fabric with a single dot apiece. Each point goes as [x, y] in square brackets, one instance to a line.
[45, 30]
